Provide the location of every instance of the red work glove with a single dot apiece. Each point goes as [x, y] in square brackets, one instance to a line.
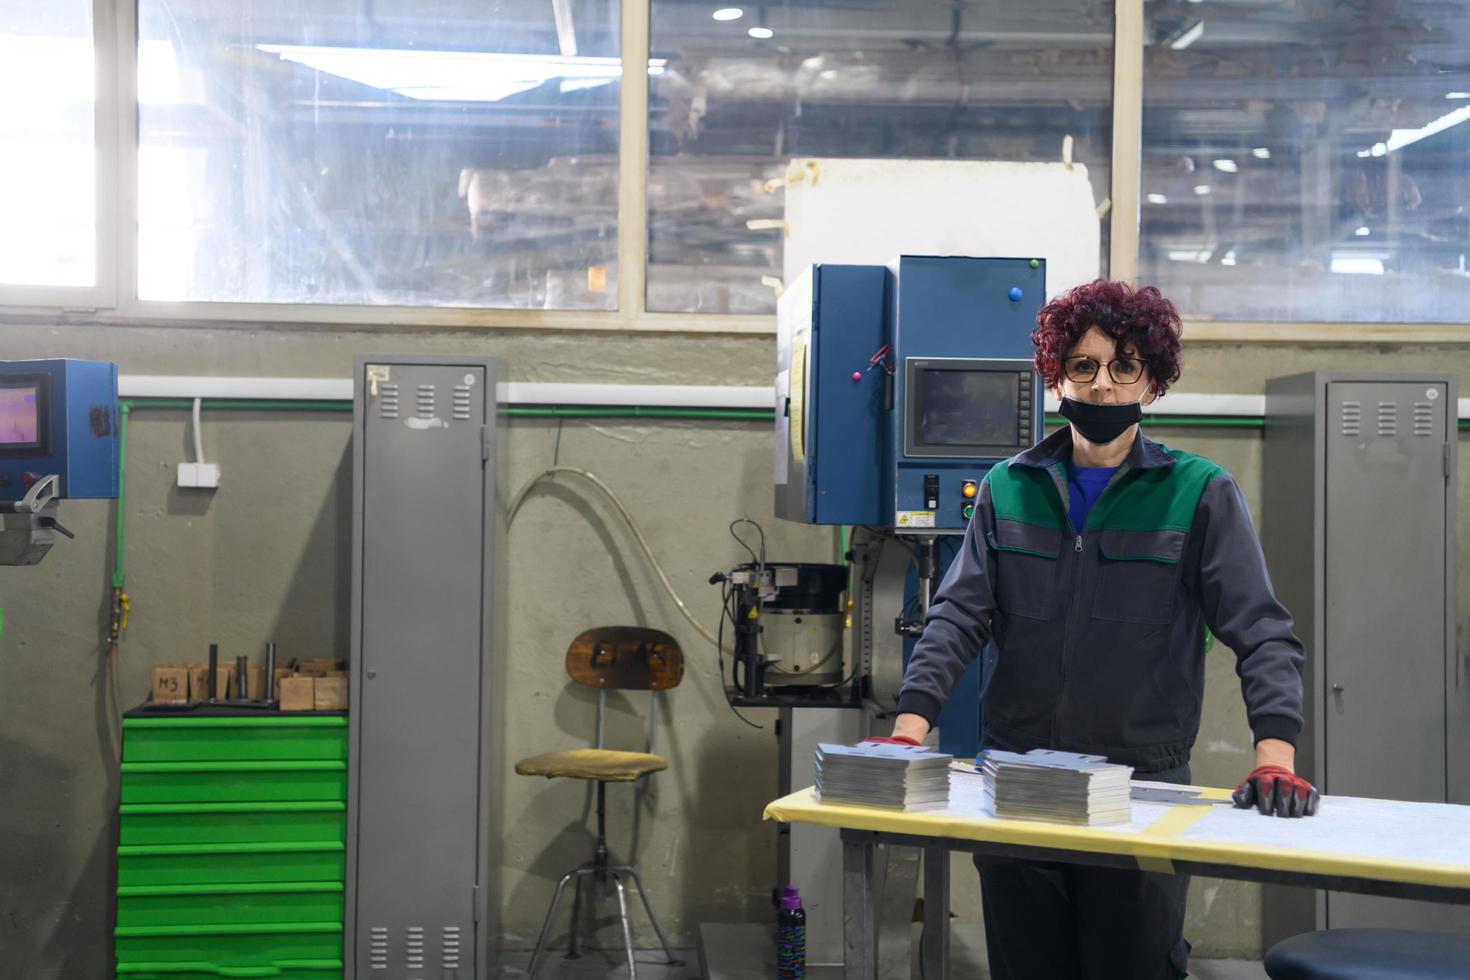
[1276, 789]
[894, 740]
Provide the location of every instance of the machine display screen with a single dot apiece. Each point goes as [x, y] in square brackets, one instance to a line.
[20, 416]
[967, 408]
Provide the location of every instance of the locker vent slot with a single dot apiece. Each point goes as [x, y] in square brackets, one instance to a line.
[388, 402]
[1423, 419]
[1352, 418]
[413, 948]
[449, 948]
[378, 947]
[426, 401]
[462, 402]
[1388, 419]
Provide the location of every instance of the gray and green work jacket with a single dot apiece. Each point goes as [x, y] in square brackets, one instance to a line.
[1099, 637]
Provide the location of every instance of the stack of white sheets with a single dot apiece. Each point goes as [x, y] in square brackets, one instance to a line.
[893, 777]
[1061, 787]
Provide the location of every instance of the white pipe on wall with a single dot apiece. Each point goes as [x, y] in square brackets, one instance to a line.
[511, 393]
[603, 395]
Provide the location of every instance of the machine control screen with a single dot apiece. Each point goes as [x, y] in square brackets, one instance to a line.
[967, 408]
[20, 417]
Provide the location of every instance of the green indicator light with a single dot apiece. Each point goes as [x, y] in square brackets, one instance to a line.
[968, 510]
[1035, 263]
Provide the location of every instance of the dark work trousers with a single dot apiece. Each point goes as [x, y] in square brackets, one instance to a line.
[1053, 921]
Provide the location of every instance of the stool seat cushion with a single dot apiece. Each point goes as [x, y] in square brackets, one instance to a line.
[603, 765]
[1370, 954]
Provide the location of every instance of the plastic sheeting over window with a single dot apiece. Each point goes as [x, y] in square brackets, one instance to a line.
[742, 95]
[1308, 162]
[48, 175]
[440, 153]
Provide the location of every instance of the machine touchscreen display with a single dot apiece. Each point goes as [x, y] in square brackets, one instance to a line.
[19, 416]
[968, 408]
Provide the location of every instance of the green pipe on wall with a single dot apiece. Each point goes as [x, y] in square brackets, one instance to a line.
[124, 412]
[127, 406]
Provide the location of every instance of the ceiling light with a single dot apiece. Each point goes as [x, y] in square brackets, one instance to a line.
[1261, 153]
[1457, 95]
[1226, 166]
[1228, 258]
[454, 76]
[728, 13]
[1400, 138]
[761, 33]
[1201, 189]
[1355, 265]
[1157, 199]
[1364, 153]
[1362, 231]
[1187, 36]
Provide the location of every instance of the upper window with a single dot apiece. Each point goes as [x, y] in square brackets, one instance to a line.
[48, 168]
[1308, 161]
[741, 89]
[401, 152]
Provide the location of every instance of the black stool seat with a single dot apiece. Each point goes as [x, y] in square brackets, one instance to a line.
[1370, 954]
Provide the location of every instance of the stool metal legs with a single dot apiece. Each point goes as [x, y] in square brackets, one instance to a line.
[627, 926]
[573, 953]
[599, 870]
[578, 874]
[616, 875]
[663, 940]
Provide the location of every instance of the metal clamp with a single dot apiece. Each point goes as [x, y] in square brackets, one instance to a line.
[41, 494]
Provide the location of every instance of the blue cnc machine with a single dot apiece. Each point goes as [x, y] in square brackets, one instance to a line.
[897, 388]
[58, 439]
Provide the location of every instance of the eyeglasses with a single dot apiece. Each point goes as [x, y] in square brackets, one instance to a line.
[1123, 370]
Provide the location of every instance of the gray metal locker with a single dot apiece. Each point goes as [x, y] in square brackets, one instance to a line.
[1358, 526]
[422, 585]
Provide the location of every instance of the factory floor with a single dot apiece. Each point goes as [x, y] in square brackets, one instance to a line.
[967, 952]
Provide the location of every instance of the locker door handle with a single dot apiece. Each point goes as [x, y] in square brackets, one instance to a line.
[1337, 689]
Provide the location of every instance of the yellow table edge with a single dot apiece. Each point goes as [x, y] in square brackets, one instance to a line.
[1155, 847]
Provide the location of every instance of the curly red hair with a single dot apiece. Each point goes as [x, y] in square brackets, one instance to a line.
[1140, 318]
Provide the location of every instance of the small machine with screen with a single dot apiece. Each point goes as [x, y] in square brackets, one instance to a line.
[898, 387]
[58, 439]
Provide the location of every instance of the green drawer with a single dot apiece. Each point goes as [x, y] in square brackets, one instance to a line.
[231, 823]
[230, 864]
[265, 739]
[224, 905]
[233, 782]
[264, 945]
[284, 970]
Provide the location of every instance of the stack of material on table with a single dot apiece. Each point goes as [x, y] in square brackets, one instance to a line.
[1061, 787]
[894, 777]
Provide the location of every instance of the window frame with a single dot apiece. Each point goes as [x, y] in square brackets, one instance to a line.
[114, 300]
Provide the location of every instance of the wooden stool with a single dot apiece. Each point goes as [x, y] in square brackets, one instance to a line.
[609, 658]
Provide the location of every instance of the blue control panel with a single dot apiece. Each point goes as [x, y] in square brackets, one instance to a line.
[966, 395]
[58, 416]
[898, 388]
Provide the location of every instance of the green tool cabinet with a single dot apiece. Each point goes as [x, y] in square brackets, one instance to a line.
[232, 837]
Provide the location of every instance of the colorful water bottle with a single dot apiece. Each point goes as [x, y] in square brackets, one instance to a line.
[790, 936]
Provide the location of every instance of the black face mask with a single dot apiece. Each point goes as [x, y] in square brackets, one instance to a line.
[1100, 423]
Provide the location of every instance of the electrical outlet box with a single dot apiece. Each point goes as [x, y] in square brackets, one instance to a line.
[204, 475]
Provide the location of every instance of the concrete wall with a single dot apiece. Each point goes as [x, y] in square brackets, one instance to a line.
[266, 558]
